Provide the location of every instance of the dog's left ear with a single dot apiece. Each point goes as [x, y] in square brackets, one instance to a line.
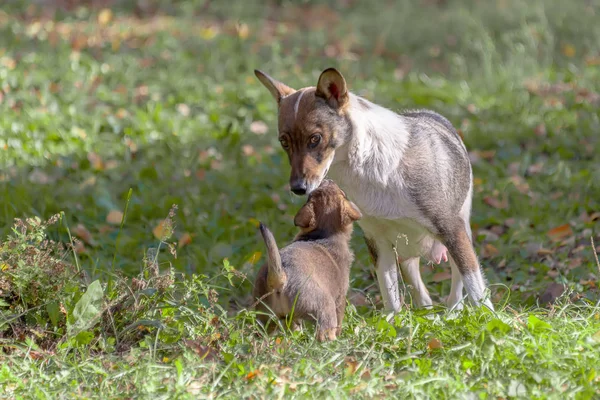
[350, 213]
[332, 87]
[305, 218]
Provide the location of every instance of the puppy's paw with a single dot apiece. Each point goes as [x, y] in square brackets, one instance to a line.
[326, 335]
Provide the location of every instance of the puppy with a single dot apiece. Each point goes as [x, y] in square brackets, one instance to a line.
[310, 276]
[409, 174]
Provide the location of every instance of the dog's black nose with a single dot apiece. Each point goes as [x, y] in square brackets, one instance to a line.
[298, 187]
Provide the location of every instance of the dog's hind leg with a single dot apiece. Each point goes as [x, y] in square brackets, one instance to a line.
[340, 309]
[412, 276]
[458, 241]
[327, 320]
[456, 290]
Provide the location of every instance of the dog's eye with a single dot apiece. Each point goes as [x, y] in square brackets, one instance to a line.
[314, 140]
[284, 143]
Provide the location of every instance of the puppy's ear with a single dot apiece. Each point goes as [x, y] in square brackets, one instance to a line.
[350, 213]
[277, 89]
[305, 218]
[332, 87]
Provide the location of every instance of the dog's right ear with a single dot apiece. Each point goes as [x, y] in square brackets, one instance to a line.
[305, 218]
[277, 89]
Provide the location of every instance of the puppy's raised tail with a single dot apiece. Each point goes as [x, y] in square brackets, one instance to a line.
[276, 277]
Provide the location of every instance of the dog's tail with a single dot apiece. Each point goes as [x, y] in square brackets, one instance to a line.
[276, 277]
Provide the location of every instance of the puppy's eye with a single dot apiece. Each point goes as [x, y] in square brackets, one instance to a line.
[314, 140]
[284, 143]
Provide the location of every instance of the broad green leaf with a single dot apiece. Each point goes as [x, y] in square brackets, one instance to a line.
[53, 312]
[4, 303]
[535, 324]
[84, 337]
[496, 325]
[87, 308]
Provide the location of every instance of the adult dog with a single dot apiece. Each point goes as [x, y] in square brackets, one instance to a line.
[408, 173]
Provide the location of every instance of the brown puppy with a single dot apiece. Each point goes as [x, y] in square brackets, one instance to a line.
[311, 275]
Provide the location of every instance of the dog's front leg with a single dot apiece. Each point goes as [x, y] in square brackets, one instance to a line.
[412, 276]
[387, 276]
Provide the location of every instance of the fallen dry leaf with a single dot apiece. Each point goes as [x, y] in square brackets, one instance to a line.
[114, 217]
[105, 16]
[434, 343]
[95, 161]
[259, 127]
[248, 150]
[163, 230]
[83, 233]
[560, 232]
[489, 250]
[441, 276]
[351, 365]
[204, 352]
[358, 299]
[552, 292]
[252, 374]
[495, 202]
[184, 240]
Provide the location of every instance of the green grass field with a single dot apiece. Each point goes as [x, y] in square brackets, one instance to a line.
[111, 117]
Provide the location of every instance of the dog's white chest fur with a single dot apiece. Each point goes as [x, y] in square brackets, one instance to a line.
[368, 169]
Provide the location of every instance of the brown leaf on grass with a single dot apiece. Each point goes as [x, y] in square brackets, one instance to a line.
[204, 352]
[489, 251]
[84, 234]
[495, 202]
[560, 232]
[183, 109]
[358, 299]
[114, 217]
[434, 343]
[252, 374]
[535, 169]
[95, 161]
[441, 276]
[568, 50]
[552, 292]
[540, 130]
[520, 184]
[351, 365]
[163, 230]
[594, 216]
[184, 240]
[248, 150]
[105, 16]
[544, 252]
[259, 128]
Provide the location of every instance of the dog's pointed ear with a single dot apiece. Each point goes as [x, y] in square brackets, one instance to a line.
[332, 87]
[350, 213]
[277, 89]
[305, 218]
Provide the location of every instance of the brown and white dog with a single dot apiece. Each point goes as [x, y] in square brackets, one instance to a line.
[309, 278]
[409, 174]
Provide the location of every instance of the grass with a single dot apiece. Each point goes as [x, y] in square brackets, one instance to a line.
[112, 119]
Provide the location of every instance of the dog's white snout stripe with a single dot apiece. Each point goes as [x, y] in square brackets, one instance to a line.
[298, 104]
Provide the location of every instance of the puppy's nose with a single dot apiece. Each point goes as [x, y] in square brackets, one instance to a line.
[298, 187]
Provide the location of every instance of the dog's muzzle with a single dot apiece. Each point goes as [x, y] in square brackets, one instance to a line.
[298, 187]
